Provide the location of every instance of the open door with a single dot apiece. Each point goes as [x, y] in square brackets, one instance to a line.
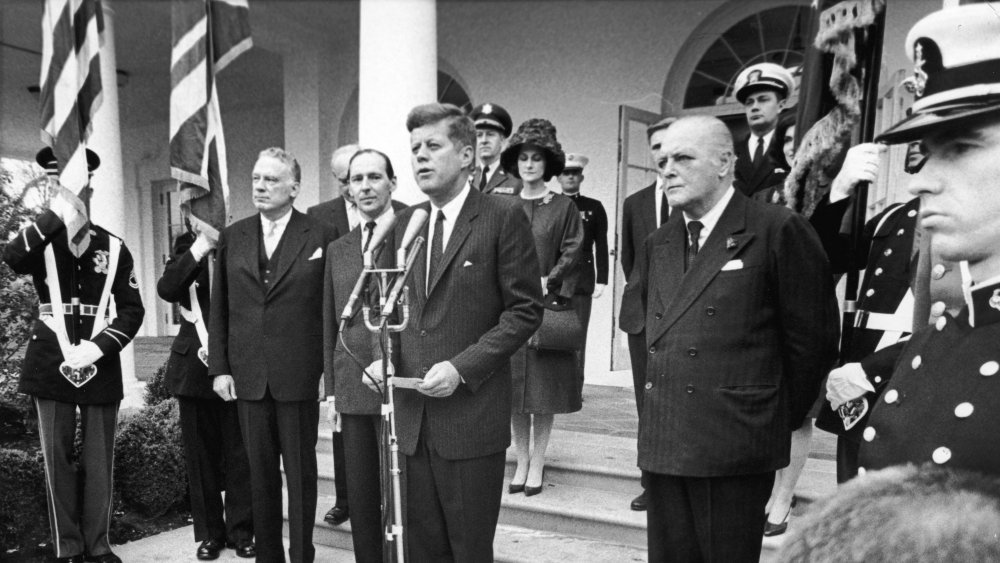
[167, 226]
[636, 170]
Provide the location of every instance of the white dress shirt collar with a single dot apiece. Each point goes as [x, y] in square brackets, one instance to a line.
[279, 224]
[708, 220]
[380, 221]
[660, 194]
[752, 142]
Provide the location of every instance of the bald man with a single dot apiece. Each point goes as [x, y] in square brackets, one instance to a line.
[741, 327]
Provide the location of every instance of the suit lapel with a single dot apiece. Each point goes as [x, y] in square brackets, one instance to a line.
[463, 226]
[648, 211]
[726, 241]
[293, 239]
[248, 248]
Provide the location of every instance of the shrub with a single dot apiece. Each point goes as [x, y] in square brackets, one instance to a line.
[156, 387]
[24, 519]
[16, 410]
[150, 473]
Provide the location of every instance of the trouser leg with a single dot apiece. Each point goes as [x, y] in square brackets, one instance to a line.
[97, 425]
[56, 430]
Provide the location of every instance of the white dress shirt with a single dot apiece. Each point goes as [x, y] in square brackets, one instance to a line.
[273, 230]
[708, 220]
[451, 211]
[380, 221]
[752, 143]
[660, 194]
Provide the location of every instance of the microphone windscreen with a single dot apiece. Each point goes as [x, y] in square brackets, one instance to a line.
[381, 231]
[416, 223]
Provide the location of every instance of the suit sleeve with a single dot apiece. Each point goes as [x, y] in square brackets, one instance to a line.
[570, 246]
[628, 244]
[517, 276]
[24, 253]
[218, 331]
[179, 273]
[330, 326]
[601, 244]
[128, 308]
[808, 313]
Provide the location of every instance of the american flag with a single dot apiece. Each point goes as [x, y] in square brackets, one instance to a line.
[72, 35]
[207, 36]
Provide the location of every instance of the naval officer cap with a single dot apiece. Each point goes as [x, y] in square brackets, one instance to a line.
[46, 158]
[763, 76]
[575, 162]
[956, 80]
[492, 116]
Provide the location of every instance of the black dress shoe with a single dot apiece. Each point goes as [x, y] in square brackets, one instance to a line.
[209, 550]
[245, 549]
[71, 559]
[771, 530]
[108, 557]
[337, 515]
[639, 503]
[514, 489]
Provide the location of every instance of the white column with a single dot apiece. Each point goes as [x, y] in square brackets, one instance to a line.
[398, 70]
[302, 121]
[107, 204]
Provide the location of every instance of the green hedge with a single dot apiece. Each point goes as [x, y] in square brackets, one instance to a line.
[150, 473]
[24, 519]
[156, 387]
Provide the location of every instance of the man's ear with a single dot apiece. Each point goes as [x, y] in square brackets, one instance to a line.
[727, 161]
[468, 154]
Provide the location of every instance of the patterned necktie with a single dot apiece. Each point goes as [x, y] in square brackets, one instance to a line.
[437, 248]
[694, 227]
[759, 151]
[369, 231]
[664, 209]
[482, 181]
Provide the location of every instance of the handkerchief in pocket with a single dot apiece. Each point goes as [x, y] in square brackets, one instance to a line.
[317, 254]
[733, 265]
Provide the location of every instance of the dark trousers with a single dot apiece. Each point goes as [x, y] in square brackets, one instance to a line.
[582, 304]
[637, 354]
[847, 459]
[361, 437]
[340, 477]
[452, 505]
[280, 433]
[706, 519]
[78, 520]
[216, 462]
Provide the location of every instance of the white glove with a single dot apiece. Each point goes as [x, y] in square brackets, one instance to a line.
[599, 290]
[332, 416]
[202, 245]
[860, 165]
[846, 383]
[545, 284]
[83, 354]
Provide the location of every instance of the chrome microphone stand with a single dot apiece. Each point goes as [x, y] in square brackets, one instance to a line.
[391, 293]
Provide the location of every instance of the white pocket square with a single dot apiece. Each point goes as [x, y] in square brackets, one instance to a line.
[467, 264]
[317, 254]
[733, 265]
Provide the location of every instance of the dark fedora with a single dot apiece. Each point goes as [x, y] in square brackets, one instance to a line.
[538, 133]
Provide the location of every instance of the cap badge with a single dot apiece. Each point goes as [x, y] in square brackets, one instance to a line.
[995, 300]
[101, 262]
[753, 77]
[488, 109]
[918, 82]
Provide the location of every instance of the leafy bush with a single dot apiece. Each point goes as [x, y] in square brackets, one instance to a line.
[156, 387]
[24, 519]
[16, 410]
[150, 473]
[18, 302]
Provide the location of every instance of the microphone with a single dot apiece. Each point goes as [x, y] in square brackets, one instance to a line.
[401, 279]
[416, 223]
[378, 237]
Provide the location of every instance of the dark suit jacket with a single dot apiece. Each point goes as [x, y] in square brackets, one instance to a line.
[342, 377]
[594, 252]
[334, 213]
[186, 375]
[483, 305]
[752, 177]
[638, 222]
[736, 357]
[501, 183]
[269, 338]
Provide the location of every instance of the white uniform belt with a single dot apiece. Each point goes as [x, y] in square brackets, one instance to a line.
[882, 321]
[87, 310]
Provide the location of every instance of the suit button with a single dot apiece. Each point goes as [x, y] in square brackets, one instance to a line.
[710, 311]
[938, 271]
[652, 349]
[423, 333]
[690, 389]
[649, 386]
[878, 271]
[692, 352]
[888, 252]
[658, 316]
[423, 369]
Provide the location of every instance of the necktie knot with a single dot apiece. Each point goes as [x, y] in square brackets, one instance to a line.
[482, 181]
[695, 227]
[369, 231]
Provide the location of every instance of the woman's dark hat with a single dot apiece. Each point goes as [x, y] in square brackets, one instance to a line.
[956, 79]
[537, 133]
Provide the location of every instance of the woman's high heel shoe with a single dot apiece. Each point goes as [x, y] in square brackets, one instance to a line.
[771, 530]
[514, 489]
[532, 491]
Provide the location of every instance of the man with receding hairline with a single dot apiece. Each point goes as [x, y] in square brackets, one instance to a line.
[741, 327]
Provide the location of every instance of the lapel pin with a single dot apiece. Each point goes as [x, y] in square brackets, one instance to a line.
[730, 243]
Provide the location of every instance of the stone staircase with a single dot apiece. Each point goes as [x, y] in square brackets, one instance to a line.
[583, 512]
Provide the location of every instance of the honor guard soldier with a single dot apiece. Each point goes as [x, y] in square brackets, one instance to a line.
[590, 282]
[763, 89]
[72, 363]
[493, 126]
[942, 403]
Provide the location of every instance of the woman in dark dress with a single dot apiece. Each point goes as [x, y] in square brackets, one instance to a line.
[544, 381]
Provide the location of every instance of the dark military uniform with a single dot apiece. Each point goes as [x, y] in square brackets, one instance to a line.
[210, 427]
[76, 527]
[942, 403]
[593, 252]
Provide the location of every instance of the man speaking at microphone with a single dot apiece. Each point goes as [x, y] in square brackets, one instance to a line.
[474, 300]
[351, 405]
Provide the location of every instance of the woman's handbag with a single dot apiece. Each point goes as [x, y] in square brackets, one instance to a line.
[561, 328]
